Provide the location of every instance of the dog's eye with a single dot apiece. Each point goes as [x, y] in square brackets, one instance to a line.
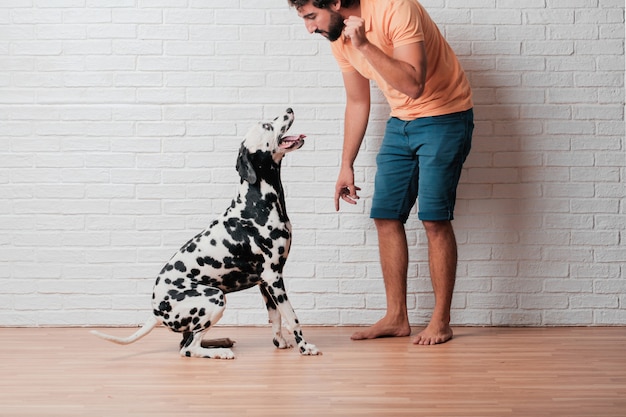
[268, 126]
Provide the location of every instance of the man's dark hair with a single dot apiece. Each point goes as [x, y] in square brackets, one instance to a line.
[322, 4]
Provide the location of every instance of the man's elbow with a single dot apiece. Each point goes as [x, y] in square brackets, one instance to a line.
[415, 91]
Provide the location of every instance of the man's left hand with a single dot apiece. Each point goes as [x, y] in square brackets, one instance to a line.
[355, 31]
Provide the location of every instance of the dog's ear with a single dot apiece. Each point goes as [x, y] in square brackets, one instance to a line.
[244, 165]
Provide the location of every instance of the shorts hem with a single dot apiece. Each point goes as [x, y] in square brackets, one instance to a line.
[435, 217]
[387, 215]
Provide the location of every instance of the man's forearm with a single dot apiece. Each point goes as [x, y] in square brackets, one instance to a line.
[401, 75]
[405, 70]
[355, 125]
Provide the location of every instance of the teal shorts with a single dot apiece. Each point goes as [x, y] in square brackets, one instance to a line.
[421, 159]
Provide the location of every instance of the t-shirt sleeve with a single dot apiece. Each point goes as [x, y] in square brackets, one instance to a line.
[404, 23]
[343, 63]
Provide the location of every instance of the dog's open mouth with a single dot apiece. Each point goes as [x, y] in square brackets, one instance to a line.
[291, 142]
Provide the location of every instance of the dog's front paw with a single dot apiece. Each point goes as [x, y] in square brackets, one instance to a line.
[281, 343]
[309, 349]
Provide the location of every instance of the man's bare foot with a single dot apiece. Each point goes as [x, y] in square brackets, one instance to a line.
[433, 334]
[384, 328]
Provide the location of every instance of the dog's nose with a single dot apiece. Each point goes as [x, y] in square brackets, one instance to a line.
[289, 111]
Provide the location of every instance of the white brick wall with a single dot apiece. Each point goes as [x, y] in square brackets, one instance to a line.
[120, 121]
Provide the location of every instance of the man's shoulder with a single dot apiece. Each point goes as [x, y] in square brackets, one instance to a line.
[382, 10]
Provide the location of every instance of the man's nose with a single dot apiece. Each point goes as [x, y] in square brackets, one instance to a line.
[310, 26]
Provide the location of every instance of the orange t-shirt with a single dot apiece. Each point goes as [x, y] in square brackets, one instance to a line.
[393, 23]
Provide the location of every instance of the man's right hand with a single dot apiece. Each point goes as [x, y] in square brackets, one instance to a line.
[345, 188]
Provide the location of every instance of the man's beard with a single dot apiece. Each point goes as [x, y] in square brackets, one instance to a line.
[335, 28]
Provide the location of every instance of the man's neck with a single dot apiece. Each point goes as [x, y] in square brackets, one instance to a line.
[346, 12]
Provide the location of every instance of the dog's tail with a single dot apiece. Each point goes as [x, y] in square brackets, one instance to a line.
[144, 330]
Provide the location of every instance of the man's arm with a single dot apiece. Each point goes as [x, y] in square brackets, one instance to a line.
[355, 124]
[405, 70]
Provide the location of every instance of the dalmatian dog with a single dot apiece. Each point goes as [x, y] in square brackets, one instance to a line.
[247, 246]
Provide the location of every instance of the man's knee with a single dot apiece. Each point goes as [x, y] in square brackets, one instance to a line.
[438, 228]
[388, 225]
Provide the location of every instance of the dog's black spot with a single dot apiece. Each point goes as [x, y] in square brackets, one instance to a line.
[280, 265]
[217, 301]
[269, 300]
[209, 261]
[210, 292]
[279, 233]
[237, 281]
[181, 295]
[166, 268]
[187, 339]
[209, 281]
[193, 273]
[191, 246]
[180, 266]
[165, 306]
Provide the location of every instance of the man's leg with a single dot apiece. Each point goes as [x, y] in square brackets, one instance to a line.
[442, 258]
[394, 261]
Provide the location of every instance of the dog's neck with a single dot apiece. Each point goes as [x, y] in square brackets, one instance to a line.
[265, 196]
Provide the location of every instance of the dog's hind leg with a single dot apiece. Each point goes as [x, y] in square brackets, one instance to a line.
[275, 318]
[193, 313]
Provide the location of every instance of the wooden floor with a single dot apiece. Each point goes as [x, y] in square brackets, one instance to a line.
[482, 372]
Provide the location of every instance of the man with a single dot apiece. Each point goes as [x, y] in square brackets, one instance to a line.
[427, 139]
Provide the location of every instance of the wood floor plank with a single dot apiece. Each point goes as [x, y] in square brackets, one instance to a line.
[482, 372]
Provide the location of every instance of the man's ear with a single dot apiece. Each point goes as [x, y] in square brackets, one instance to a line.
[244, 166]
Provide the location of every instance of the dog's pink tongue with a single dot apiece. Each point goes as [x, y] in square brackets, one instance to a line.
[288, 141]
